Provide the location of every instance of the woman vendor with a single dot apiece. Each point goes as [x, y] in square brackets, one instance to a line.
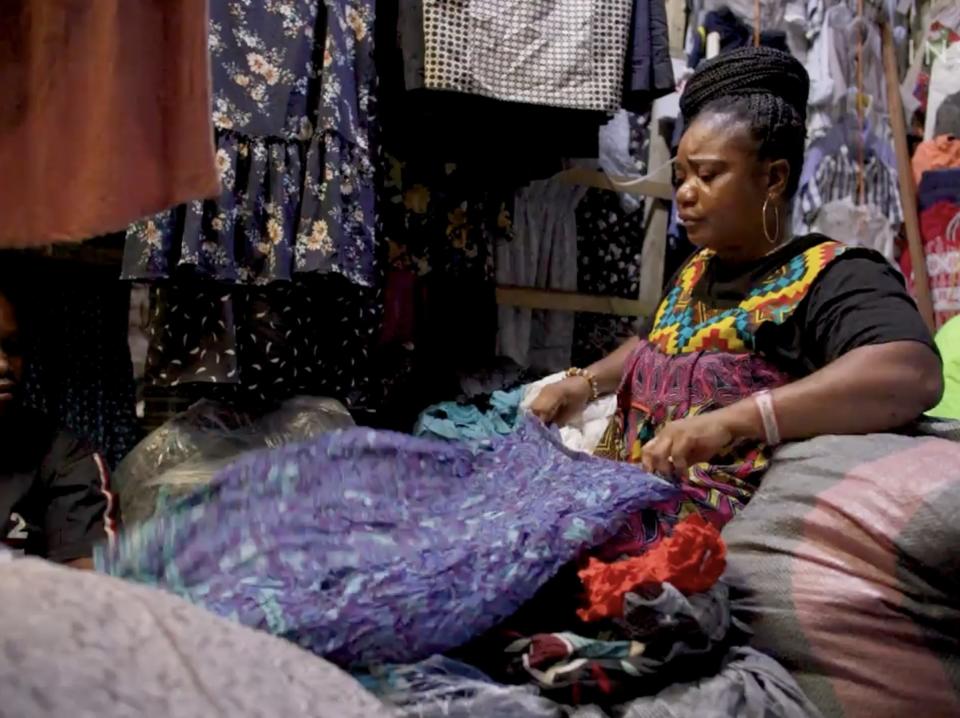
[760, 337]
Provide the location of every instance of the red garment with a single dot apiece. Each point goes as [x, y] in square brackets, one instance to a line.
[940, 229]
[692, 559]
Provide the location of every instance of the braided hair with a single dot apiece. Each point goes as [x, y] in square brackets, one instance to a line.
[767, 90]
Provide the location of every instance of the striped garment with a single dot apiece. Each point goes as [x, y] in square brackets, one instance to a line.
[836, 178]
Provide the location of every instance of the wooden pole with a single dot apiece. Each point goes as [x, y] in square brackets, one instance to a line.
[908, 190]
[756, 23]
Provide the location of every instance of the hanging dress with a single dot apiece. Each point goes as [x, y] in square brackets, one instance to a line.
[293, 112]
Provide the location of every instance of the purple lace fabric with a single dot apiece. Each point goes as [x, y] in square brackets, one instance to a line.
[367, 546]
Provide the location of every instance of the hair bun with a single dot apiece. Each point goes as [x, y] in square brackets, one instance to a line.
[744, 72]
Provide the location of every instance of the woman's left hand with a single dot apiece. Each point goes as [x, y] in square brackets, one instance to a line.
[681, 444]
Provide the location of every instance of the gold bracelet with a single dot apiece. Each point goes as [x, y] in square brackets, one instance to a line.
[591, 379]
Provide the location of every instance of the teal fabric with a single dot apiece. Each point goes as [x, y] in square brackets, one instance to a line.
[451, 421]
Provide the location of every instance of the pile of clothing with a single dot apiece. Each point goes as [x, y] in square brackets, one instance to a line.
[463, 577]
[654, 639]
[481, 416]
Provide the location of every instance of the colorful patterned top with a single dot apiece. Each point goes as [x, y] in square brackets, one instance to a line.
[686, 323]
[701, 356]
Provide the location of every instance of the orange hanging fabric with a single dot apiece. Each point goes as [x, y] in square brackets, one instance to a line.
[104, 115]
[692, 559]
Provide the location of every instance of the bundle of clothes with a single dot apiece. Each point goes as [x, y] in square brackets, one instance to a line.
[479, 577]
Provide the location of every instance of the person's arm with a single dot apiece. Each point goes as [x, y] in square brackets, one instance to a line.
[609, 370]
[870, 389]
[559, 402]
[875, 370]
[80, 507]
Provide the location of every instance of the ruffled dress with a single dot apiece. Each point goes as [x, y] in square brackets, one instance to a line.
[292, 111]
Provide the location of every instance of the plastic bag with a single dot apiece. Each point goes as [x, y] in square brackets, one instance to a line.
[191, 447]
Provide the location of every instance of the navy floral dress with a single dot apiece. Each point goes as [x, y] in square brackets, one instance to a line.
[293, 111]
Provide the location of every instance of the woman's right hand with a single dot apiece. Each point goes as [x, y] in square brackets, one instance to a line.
[559, 402]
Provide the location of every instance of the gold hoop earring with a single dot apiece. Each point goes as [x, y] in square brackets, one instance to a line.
[776, 240]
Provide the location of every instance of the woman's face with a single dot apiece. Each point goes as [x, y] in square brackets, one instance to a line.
[721, 187]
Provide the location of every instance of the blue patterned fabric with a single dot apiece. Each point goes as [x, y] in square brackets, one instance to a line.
[452, 421]
[368, 546]
[293, 111]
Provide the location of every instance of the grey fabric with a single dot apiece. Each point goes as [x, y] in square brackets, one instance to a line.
[542, 254]
[440, 687]
[616, 158]
[410, 26]
[845, 567]
[941, 428]
[750, 685]
[948, 116]
[694, 625]
[80, 644]
[649, 68]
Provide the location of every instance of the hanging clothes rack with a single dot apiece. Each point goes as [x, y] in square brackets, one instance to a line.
[651, 263]
[653, 254]
[656, 221]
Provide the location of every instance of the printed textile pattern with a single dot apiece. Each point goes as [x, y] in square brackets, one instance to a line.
[609, 245]
[437, 219]
[311, 336]
[658, 388]
[609, 248]
[293, 111]
[563, 54]
[940, 229]
[663, 637]
[685, 324]
[367, 546]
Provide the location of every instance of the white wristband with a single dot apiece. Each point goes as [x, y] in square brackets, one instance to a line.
[771, 430]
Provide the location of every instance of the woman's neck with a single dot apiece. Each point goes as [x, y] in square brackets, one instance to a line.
[754, 251]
